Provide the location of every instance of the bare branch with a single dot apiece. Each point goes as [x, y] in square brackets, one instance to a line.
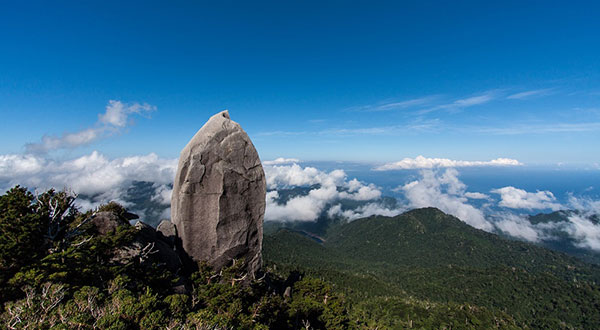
[147, 251]
[238, 279]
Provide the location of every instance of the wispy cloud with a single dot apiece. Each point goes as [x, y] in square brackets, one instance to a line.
[530, 94]
[459, 104]
[390, 105]
[540, 128]
[112, 121]
[421, 162]
[420, 125]
[281, 133]
[435, 102]
[404, 104]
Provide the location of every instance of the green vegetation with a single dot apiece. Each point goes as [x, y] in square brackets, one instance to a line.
[428, 269]
[423, 269]
[58, 272]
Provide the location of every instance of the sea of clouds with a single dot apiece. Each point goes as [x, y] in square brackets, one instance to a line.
[98, 179]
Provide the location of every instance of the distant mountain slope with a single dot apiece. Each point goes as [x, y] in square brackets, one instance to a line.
[559, 240]
[434, 258]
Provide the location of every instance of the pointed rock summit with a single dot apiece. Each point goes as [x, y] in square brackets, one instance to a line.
[218, 200]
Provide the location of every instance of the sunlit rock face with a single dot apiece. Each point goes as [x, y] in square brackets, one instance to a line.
[218, 200]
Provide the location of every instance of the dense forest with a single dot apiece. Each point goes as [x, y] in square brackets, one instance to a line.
[61, 269]
[428, 269]
[65, 269]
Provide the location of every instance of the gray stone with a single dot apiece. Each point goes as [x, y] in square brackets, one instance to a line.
[218, 200]
[168, 231]
[147, 248]
[107, 222]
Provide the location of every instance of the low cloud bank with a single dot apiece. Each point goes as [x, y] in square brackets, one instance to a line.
[519, 227]
[95, 176]
[445, 191]
[580, 225]
[421, 162]
[297, 193]
[580, 220]
[98, 180]
[325, 189]
[281, 161]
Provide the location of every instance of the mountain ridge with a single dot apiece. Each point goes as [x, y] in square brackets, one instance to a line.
[436, 258]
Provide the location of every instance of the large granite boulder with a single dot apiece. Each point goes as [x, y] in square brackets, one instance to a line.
[218, 200]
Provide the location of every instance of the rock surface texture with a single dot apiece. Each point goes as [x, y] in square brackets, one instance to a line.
[218, 200]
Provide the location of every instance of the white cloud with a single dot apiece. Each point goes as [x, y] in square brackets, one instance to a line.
[300, 208]
[93, 175]
[364, 193]
[476, 195]
[66, 140]
[162, 194]
[529, 94]
[332, 186]
[281, 161]
[586, 206]
[101, 180]
[422, 162]
[294, 175]
[579, 226]
[446, 192]
[363, 211]
[166, 213]
[584, 231]
[112, 121]
[515, 198]
[518, 226]
[19, 165]
[117, 112]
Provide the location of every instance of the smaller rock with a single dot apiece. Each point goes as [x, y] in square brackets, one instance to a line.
[168, 231]
[148, 247]
[107, 222]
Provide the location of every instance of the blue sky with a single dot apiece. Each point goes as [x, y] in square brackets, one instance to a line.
[367, 81]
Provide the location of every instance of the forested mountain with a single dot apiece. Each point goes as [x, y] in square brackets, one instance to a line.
[426, 268]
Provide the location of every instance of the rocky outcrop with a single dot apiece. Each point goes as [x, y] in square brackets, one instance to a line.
[147, 245]
[218, 199]
[107, 222]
